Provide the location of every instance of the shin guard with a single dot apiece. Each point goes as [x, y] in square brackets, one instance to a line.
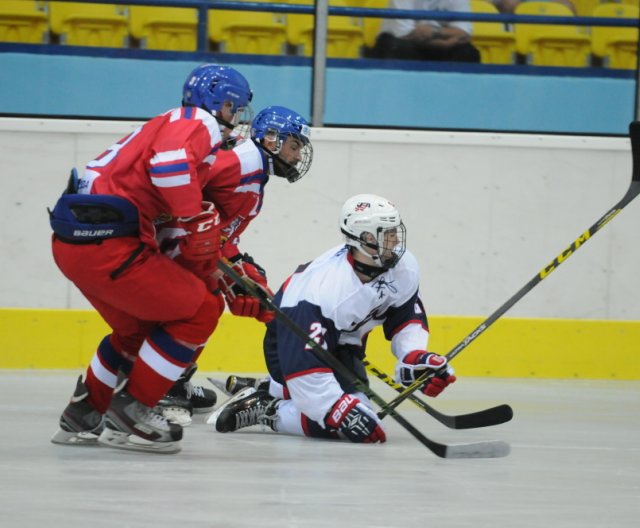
[160, 363]
[103, 373]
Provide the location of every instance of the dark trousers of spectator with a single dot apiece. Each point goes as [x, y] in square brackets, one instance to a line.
[390, 47]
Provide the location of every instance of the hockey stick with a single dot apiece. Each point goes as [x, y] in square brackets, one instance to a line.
[485, 418]
[476, 450]
[632, 192]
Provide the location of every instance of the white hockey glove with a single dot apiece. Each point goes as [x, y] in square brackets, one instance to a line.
[417, 362]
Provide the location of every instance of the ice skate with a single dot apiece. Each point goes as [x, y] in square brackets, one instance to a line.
[200, 399]
[176, 409]
[80, 423]
[131, 425]
[246, 408]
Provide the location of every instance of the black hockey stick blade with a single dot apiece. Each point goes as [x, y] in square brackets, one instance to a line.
[485, 418]
[629, 196]
[477, 450]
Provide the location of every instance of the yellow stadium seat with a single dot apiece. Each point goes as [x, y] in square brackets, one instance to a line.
[345, 35]
[23, 21]
[495, 43]
[551, 45]
[585, 7]
[371, 26]
[164, 28]
[79, 24]
[256, 32]
[617, 46]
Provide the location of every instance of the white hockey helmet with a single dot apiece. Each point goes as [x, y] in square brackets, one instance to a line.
[372, 225]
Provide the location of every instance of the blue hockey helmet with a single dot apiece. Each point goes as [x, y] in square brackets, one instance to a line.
[209, 86]
[275, 124]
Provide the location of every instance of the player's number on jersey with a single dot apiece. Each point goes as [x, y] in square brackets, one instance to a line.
[316, 332]
[108, 155]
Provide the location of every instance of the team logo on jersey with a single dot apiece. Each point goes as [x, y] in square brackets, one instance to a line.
[361, 206]
[381, 286]
[231, 228]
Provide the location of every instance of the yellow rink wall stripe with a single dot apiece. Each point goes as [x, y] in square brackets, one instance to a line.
[511, 347]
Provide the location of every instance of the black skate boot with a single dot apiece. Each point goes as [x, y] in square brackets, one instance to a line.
[201, 400]
[80, 423]
[176, 409]
[131, 425]
[248, 407]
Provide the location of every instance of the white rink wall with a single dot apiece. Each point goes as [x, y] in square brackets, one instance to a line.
[484, 213]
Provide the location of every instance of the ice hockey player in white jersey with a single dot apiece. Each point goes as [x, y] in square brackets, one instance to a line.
[371, 280]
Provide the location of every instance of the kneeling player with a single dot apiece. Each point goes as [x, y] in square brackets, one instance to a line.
[339, 298]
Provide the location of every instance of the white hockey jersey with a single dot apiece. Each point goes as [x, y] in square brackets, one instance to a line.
[327, 299]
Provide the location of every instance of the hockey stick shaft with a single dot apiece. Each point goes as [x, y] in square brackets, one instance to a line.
[632, 192]
[485, 418]
[479, 450]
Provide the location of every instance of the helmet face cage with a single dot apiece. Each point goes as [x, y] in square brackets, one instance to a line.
[294, 172]
[277, 123]
[241, 122]
[372, 225]
[210, 86]
[392, 243]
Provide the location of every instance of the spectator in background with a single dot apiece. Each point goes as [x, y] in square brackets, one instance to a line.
[414, 39]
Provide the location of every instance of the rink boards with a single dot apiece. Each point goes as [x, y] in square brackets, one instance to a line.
[511, 347]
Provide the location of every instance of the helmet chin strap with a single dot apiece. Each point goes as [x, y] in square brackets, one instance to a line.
[286, 170]
[367, 270]
[278, 166]
[223, 123]
[271, 170]
[229, 144]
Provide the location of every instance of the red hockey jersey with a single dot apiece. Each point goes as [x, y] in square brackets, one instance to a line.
[159, 167]
[236, 187]
[235, 184]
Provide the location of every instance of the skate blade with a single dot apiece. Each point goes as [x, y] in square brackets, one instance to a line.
[220, 385]
[84, 439]
[177, 415]
[203, 410]
[213, 417]
[130, 442]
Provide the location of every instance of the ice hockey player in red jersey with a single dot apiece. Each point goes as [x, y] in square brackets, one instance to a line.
[279, 145]
[159, 309]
